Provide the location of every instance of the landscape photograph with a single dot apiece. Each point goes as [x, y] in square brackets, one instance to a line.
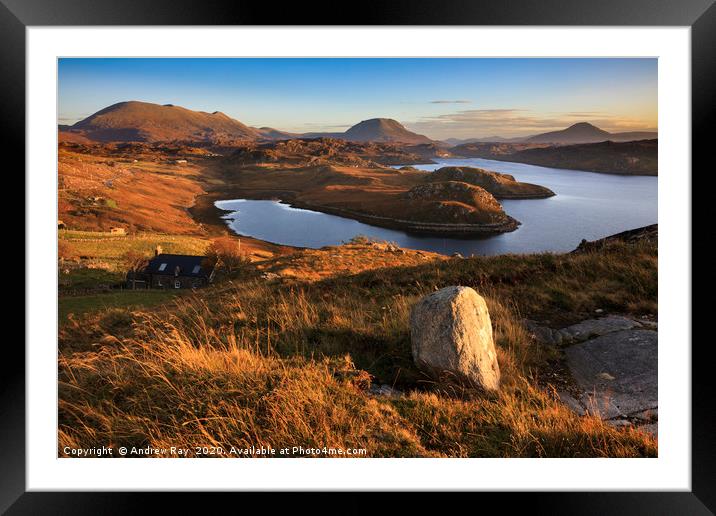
[357, 257]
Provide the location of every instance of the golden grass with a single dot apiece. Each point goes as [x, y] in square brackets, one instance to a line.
[266, 364]
[146, 196]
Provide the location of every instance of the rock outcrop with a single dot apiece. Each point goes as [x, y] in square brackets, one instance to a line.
[451, 336]
[455, 201]
[618, 374]
[502, 186]
[646, 234]
[613, 362]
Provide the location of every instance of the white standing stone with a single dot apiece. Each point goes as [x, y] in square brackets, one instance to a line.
[451, 335]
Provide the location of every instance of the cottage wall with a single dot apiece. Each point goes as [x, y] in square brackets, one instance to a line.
[169, 281]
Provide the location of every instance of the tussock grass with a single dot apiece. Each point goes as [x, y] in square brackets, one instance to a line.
[256, 363]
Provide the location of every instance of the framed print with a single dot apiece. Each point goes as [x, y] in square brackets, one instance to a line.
[426, 249]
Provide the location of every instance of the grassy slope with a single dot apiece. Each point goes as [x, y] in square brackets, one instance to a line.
[110, 248]
[79, 284]
[83, 288]
[150, 196]
[73, 306]
[268, 363]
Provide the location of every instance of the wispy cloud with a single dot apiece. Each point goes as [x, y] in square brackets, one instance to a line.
[516, 122]
[450, 101]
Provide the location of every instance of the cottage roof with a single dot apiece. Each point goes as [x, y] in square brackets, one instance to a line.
[188, 265]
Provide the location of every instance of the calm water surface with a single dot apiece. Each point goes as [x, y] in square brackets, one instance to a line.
[587, 205]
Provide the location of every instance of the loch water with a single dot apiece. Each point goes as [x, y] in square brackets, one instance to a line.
[587, 205]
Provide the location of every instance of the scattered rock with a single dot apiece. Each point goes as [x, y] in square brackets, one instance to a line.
[541, 333]
[451, 337]
[385, 390]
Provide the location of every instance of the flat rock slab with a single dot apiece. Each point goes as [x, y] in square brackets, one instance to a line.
[617, 372]
[585, 330]
[595, 328]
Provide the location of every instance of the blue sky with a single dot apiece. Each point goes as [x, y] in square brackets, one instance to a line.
[438, 97]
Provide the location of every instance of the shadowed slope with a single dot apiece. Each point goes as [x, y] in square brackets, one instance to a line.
[383, 130]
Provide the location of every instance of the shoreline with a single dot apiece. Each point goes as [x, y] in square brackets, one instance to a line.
[432, 229]
[541, 165]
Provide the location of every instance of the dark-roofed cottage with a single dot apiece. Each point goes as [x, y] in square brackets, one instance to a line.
[178, 271]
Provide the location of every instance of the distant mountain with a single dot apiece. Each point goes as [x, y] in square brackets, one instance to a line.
[383, 130]
[135, 121]
[147, 122]
[584, 132]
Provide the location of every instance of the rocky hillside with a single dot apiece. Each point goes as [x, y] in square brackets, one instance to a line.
[502, 186]
[645, 235]
[454, 201]
[147, 122]
[321, 151]
[629, 158]
[491, 150]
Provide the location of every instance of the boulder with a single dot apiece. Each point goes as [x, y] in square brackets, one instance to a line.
[451, 337]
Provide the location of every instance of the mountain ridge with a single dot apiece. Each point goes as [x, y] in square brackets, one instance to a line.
[138, 121]
[584, 132]
[384, 130]
[147, 122]
[581, 132]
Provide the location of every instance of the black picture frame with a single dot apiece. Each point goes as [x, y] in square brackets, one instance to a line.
[700, 15]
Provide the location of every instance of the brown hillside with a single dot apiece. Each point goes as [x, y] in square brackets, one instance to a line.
[321, 151]
[502, 186]
[453, 200]
[628, 158]
[143, 121]
[383, 130]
